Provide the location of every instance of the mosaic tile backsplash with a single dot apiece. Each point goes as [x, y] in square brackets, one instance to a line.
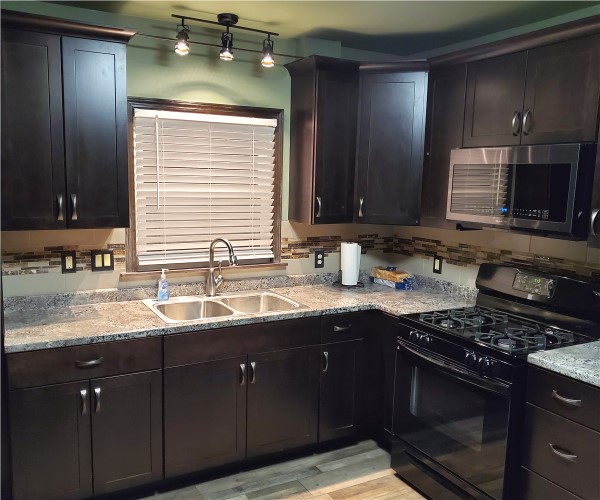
[459, 254]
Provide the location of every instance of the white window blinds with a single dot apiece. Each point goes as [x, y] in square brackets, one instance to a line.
[199, 177]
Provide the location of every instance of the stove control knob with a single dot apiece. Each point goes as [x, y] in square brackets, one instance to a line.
[424, 340]
[484, 363]
[471, 358]
[414, 336]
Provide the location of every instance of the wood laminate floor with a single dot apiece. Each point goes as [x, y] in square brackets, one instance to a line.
[359, 472]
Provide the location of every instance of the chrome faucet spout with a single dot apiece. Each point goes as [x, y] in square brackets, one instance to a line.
[213, 283]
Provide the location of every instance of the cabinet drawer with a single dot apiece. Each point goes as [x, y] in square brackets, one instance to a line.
[67, 364]
[221, 343]
[341, 327]
[534, 487]
[563, 451]
[567, 397]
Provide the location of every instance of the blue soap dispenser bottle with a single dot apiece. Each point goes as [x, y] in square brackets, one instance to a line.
[163, 287]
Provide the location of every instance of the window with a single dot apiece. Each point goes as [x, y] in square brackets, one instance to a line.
[201, 172]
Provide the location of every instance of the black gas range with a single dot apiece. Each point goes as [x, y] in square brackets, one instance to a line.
[460, 379]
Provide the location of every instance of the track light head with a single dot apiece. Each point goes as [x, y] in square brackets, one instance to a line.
[226, 53]
[267, 59]
[182, 44]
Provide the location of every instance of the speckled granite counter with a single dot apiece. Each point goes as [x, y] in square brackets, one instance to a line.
[40, 328]
[581, 362]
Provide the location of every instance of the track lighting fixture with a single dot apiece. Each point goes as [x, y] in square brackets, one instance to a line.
[267, 59]
[182, 45]
[226, 53]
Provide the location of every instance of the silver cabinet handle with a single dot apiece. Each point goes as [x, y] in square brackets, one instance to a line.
[61, 213]
[90, 363]
[253, 374]
[527, 122]
[361, 200]
[243, 372]
[516, 123]
[342, 328]
[83, 395]
[564, 454]
[593, 222]
[326, 357]
[97, 392]
[566, 401]
[74, 205]
[319, 205]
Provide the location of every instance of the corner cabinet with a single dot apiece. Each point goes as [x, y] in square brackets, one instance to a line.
[64, 124]
[324, 105]
[391, 130]
[544, 95]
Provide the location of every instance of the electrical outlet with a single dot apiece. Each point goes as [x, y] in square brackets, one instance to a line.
[437, 264]
[68, 262]
[319, 259]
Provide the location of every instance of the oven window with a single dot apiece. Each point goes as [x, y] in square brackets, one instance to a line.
[448, 408]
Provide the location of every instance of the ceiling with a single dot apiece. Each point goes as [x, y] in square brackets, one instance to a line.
[393, 27]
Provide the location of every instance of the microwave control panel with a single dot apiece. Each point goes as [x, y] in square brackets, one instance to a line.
[529, 213]
[537, 285]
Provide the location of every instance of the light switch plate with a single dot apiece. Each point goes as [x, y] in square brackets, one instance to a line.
[437, 264]
[102, 260]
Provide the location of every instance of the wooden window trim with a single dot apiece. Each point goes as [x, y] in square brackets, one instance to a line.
[133, 103]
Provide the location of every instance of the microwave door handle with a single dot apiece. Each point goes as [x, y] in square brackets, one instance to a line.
[455, 371]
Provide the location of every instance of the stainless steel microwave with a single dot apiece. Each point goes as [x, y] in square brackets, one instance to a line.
[544, 188]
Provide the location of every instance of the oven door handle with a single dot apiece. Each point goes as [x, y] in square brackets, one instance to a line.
[456, 371]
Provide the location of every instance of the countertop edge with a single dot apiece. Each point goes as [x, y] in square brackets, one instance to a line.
[570, 364]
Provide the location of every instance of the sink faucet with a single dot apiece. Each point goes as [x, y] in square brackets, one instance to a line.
[214, 283]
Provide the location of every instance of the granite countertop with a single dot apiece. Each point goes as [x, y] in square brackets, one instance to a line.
[581, 362]
[42, 328]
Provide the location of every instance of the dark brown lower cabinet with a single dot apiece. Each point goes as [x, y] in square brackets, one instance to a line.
[51, 441]
[283, 400]
[340, 390]
[205, 415]
[126, 430]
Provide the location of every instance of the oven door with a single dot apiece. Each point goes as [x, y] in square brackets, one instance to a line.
[452, 415]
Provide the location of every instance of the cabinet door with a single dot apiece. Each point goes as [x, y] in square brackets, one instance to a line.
[335, 146]
[51, 441]
[205, 415]
[594, 236]
[33, 170]
[340, 390]
[445, 117]
[390, 148]
[283, 400]
[95, 108]
[126, 430]
[494, 102]
[561, 92]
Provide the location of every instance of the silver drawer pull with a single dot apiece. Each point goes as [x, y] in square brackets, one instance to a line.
[564, 454]
[90, 363]
[83, 394]
[566, 401]
[74, 205]
[97, 391]
[516, 123]
[253, 374]
[326, 358]
[61, 213]
[361, 200]
[320, 205]
[341, 328]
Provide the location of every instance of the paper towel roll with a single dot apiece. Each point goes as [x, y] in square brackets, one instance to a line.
[350, 263]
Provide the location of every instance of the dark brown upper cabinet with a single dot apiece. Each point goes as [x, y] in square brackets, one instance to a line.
[64, 116]
[544, 95]
[445, 116]
[322, 150]
[390, 147]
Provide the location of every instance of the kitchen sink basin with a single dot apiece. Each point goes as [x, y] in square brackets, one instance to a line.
[259, 303]
[193, 308]
[188, 309]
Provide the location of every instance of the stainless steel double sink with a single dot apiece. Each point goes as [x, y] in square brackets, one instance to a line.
[192, 308]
